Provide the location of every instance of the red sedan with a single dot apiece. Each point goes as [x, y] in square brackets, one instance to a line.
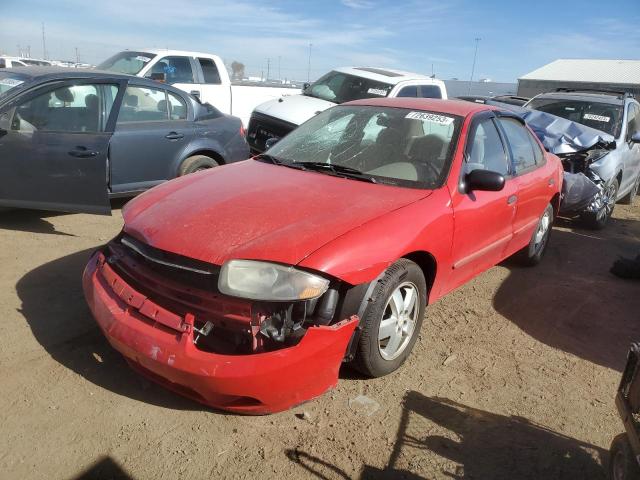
[246, 287]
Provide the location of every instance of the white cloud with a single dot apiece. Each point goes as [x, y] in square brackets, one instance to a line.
[358, 4]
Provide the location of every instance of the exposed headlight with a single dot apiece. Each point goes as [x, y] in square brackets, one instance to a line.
[257, 280]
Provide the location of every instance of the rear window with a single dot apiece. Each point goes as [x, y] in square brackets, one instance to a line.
[601, 116]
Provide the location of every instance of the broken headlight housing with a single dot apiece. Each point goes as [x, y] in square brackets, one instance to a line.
[256, 280]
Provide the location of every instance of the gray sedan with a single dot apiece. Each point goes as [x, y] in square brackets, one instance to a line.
[71, 139]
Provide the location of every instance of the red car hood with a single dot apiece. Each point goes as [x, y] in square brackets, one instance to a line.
[257, 211]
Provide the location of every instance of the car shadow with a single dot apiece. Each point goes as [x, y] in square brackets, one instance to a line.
[104, 468]
[570, 300]
[54, 306]
[33, 221]
[481, 443]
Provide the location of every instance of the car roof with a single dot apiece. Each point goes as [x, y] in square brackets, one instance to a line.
[385, 75]
[610, 98]
[185, 53]
[461, 108]
[46, 73]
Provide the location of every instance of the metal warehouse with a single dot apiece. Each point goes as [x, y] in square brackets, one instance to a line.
[618, 75]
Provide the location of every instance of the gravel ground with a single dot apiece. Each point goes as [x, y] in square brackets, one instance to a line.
[513, 377]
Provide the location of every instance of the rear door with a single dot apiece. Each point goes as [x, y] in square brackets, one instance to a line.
[153, 129]
[53, 146]
[483, 220]
[534, 182]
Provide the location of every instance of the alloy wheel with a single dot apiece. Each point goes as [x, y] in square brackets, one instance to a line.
[398, 321]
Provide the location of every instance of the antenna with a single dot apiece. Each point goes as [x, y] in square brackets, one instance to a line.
[473, 67]
[44, 44]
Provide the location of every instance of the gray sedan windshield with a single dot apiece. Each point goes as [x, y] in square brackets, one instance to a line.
[9, 81]
[601, 116]
[381, 144]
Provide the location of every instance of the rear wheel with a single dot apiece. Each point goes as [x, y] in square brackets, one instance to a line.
[532, 254]
[630, 197]
[197, 163]
[598, 220]
[392, 319]
[622, 463]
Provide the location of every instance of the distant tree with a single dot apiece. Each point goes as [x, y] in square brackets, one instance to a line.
[237, 70]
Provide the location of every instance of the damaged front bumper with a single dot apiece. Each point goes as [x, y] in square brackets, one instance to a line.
[160, 345]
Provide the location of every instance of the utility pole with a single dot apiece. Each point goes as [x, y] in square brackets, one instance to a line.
[77, 56]
[473, 67]
[29, 51]
[279, 76]
[268, 67]
[44, 44]
[309, 64]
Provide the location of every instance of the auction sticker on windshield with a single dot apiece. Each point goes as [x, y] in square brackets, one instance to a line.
[377, 91]
[430, 117]
[143, 59]
[597, 118]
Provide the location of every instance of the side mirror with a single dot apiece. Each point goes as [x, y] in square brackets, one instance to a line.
[305, 85]
[270, 142]
[484, 180]
[635, 138]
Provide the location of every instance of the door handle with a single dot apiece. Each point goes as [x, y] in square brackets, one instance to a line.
[82, 152]
[174, 136]
[195, 93]
[551, 182]
[512, 199]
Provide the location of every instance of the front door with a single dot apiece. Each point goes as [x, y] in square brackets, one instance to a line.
[483, 221]
[153, 130]
[53, 147]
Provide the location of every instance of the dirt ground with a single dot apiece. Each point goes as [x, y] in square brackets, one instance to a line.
[514, 377]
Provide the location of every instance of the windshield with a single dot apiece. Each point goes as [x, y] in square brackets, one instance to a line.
[394, 146]
[127, 62]
[601, 116]
[339, 87]
[9, 81]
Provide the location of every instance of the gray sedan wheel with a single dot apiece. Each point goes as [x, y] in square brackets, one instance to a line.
[630, 197]
[392, 319]
[197, 163]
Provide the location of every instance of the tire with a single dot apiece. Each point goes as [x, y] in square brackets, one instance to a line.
[532, 254]
[622, 463]
[630, 197]
[598, 220]
[196, 163]
[377, 357]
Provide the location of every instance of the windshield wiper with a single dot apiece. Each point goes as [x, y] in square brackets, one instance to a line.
[338, 169]
[268, 158]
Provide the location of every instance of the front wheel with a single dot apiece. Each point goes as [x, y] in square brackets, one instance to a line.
[392, 319]
[598, 220]
[622, 463]
[532, 254]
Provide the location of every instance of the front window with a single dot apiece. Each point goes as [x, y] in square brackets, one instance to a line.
[129, 63]
[601, 116]
[385, 145]
[71, 108]
[338, 87]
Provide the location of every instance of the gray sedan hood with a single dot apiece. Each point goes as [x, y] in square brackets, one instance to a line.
[559, 135]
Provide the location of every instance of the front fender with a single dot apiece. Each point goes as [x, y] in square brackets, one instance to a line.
[609, 166]
[360, 255]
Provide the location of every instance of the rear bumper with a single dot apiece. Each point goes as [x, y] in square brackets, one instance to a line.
[163, 350]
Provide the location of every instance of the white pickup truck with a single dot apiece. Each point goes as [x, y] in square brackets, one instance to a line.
[276, 118]
[200, 74]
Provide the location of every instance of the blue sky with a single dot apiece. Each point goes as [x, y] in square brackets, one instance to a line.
[516, 37]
